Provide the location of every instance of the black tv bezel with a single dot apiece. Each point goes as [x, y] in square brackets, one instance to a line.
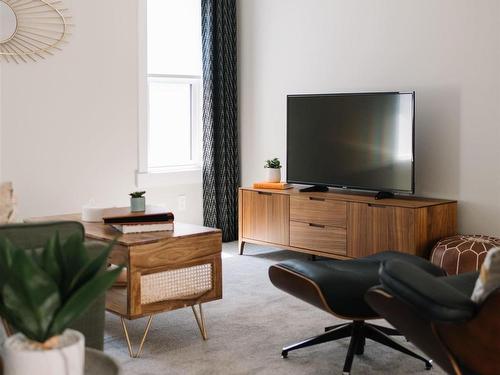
[349, 187]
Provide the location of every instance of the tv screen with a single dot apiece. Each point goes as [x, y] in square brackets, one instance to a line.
[360, 141]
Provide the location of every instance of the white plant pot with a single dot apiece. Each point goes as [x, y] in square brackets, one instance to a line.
[68, 358]
[273, 174]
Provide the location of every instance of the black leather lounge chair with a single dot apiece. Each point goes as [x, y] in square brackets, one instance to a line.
[437, 315]
[339, 287]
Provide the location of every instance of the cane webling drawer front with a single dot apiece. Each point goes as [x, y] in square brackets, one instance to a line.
[311, 209]
[318, 237]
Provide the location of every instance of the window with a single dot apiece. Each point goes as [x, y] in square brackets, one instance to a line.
[170, 64]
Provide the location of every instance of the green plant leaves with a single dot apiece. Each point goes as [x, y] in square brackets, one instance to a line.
[81, 300]
[6, 251]
[42, 291]
[49, 259]
[273, 163]
[32, 295]
[91, 268]
[137, 194]
[72, 255]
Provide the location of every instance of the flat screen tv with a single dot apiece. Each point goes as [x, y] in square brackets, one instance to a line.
[359, 141]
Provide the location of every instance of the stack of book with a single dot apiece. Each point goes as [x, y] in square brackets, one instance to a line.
[272, 185]
[154, 219]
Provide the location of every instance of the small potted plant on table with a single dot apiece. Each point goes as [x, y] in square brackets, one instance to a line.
[273, 168]
[42, 292]
[137, 201]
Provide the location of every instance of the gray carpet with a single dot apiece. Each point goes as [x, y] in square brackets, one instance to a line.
[247, 329]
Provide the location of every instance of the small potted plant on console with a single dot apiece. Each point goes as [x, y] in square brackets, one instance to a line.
[137, 201]
[42, 291]
[273, 168]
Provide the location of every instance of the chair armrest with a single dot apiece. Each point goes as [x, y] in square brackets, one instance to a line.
[430, 296]
[420, 262]
[476, 341]
[33, 235]
[91, 323]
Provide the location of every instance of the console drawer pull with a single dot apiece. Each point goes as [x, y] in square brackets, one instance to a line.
[264, 193]
[316, 225]
[317, 199]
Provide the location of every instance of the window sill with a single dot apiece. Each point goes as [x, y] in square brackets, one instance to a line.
[169, 177]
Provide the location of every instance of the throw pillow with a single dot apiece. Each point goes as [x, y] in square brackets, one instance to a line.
[7, 203]
[489, 276]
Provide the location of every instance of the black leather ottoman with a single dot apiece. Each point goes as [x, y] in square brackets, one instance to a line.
[339, 287]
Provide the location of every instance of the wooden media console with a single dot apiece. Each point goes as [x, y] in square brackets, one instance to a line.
[343, 225]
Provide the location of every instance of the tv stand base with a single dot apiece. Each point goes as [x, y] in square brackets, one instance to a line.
[315, 188]
[384, 195]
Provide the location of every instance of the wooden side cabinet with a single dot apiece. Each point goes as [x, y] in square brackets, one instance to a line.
[265, 216]
[342, 225]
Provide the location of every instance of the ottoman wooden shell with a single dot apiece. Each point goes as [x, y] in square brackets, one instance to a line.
[462, 253]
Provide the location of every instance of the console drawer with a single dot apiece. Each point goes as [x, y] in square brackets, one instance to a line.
[310, 209]
[318, 237]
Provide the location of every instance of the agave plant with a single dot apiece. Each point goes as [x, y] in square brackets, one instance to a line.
[273, 163]
[43, 291]
[137, 194]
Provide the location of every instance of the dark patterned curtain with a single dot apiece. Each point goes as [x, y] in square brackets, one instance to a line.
[220, 137]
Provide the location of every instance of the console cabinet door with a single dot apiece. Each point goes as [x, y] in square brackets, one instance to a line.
[266, 217]
[373, 228]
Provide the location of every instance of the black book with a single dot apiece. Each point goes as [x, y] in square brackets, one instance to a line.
[152, 215]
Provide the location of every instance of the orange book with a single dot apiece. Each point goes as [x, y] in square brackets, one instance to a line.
[272, 185]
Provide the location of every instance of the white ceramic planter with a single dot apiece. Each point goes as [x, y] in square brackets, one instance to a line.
[92, 214]
[68, 358]
[273, 174]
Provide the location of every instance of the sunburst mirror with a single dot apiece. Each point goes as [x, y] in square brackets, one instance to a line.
[31, 29]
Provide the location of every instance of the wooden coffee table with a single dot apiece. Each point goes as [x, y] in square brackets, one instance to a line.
[165, 271]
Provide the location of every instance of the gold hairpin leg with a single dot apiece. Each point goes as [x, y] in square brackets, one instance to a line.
[144, 336]
[6, 327]
[200, 321]
[127, 337]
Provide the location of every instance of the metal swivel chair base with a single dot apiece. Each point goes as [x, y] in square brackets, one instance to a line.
[359, 331]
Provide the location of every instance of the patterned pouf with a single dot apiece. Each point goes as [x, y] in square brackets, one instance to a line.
[462, 253]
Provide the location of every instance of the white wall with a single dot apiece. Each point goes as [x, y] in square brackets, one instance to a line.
[447, 50]
[0, 121]
[69, 123]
